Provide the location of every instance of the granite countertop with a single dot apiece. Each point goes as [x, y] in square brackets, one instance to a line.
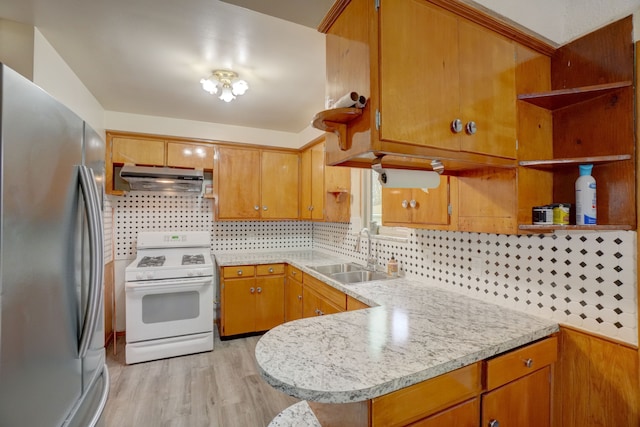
[412, 332]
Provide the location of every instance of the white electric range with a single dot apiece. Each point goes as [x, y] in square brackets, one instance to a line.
[169, 296]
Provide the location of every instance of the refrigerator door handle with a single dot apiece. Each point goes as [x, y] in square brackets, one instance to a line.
[94, 221]
[103, 399]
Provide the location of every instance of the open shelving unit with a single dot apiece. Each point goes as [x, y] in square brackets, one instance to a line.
[335, 121]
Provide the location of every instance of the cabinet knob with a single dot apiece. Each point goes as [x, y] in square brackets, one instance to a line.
[252, 290]
[264, 208]
[456, 126]
[413, 203]
[256, 207]
[293, 273]
[259, 290]
[300, 297]
[317, 312]
[528, 363]
[311, 207]
[405, 204]
[239, 272]
[494, 423]
[471, 128]
[271, 270]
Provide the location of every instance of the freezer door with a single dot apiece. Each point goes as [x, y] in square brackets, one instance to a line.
[40, 368]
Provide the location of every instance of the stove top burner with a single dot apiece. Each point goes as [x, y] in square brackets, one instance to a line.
[192, 259]
[152, 261]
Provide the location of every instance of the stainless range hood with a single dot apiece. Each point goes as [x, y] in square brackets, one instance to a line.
[170, 180]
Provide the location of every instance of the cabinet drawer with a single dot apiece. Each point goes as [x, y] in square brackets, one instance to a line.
[269, 269]
[415, 402]
[331, 294]
[294, 272]
[518, 363]
[238, 271]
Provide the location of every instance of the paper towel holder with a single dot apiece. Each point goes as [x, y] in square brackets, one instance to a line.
[376, 165]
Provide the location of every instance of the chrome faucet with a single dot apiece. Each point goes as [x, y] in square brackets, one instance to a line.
[371, 260]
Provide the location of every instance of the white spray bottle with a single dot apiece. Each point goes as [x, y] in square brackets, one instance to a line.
[585, 196]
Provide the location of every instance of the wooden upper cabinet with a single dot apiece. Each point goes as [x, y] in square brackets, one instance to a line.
[416, 207]
[256, 184]
[280, 174]
[187, 155]
[448, 69]
[324, 190]
[237, 183]
[139, 151]
[419, 86]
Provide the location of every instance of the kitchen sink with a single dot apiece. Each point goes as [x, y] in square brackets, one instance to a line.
[359, 276]
[338, 268]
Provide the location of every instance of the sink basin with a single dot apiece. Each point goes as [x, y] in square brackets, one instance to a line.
[338, 268]
[359, 276]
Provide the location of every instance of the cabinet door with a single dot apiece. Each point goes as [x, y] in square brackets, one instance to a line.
[317, 182]
[269, 302]
[305, 184]
[465, 414]
[237, 183]
[185, 155]
[432, 206]
[487, 91]
[239, 306]
[394, 201]
[279, 185]
[310, 303]
[521, 403]
[293, 299]
[419, 93]
[140, 151]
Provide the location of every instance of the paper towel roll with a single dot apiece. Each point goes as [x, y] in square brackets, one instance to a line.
[348, 100]
[400, 178]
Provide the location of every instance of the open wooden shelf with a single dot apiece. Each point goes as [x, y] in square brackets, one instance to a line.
[560, 98]
[338, 193]
[566, 162]
[335, 121]
[552, 228]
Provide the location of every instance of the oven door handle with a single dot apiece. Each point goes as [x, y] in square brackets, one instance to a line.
[164, 287]
[96, 255]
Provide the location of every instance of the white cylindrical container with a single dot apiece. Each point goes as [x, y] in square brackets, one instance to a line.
[585, 196]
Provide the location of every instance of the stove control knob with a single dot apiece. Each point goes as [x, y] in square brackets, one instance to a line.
[190, 273]
[200, 273]
[139, 276]
[150, 275]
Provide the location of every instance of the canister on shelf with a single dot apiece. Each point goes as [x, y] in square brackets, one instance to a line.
[542, 215]
[561, 213]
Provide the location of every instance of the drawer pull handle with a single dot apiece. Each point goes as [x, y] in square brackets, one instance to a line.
[528, 363]
[239, 272]
[271, 270]
[494, 423]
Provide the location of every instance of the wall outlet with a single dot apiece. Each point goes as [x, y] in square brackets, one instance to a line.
[476, 266]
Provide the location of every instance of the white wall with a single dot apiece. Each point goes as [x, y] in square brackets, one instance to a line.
[16, 47]
[51, 73]
[189, 128]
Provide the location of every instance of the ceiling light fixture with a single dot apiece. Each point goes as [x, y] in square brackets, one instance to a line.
[226, 82]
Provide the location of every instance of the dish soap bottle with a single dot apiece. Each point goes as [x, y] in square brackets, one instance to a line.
[585, 196]
[392, 267]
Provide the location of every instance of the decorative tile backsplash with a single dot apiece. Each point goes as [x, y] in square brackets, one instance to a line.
[583, 279]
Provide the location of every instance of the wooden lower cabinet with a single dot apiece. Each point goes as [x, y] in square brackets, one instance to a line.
[292, 294]
[319, 299]
[252, 298]
[463, 415]
[354, 304]
[525, 402]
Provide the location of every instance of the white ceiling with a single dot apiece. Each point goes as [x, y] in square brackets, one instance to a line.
[148, 56]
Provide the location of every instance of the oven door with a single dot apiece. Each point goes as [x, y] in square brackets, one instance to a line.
[168, 308]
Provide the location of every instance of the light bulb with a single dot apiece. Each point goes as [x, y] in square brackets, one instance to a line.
[240, 87]
[209, 86]
[227, 94]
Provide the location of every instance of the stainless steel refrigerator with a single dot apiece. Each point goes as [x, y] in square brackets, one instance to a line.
[52, 358]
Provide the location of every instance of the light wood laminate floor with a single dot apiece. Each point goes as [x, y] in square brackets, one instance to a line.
[219, 388]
